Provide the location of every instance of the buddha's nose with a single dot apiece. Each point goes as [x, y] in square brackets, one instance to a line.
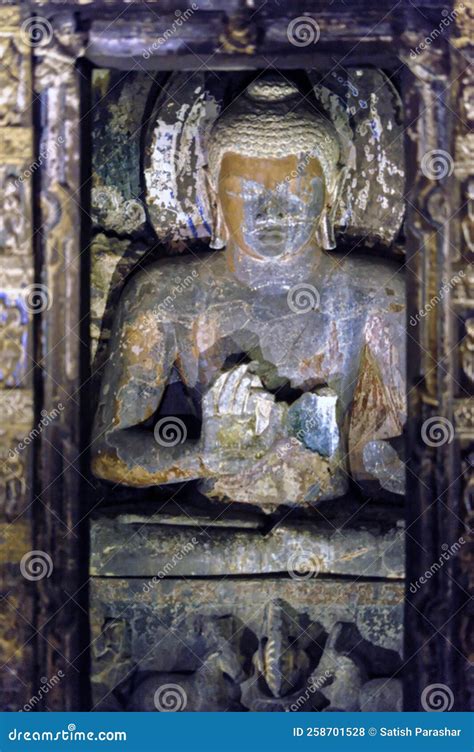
[271, 211]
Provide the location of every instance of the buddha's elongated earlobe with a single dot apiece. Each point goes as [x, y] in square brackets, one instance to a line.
[325, 233]
[219, 234]
[219, 230]
[325, 236]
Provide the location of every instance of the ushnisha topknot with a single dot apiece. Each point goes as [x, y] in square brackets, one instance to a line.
[272, 120]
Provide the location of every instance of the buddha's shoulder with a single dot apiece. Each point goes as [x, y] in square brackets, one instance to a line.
[366, 273]
[174, 274]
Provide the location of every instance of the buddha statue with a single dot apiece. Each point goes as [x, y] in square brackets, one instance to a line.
[271, 369]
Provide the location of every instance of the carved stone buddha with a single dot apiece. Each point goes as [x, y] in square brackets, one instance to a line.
[274, 374]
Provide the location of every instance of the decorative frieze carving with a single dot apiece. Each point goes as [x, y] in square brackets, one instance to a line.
[464, 164]
[462, 74]
[467, 351]
[146, 635]
[16, 404]
[464, 418]
[15, 76]
[13, 338]
[16, 417]
[57, 85]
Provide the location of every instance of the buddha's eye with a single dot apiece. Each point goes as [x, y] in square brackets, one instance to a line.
[253, 190]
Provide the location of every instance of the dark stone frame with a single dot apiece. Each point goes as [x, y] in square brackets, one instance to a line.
[438, 621]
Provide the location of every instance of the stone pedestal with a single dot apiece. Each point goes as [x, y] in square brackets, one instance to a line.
[209, 617]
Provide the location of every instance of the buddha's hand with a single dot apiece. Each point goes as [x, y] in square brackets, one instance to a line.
[240, 419]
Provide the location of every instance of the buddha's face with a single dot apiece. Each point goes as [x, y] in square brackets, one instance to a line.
[271, 207]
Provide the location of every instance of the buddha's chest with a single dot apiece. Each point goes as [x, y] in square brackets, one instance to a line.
[298, 342]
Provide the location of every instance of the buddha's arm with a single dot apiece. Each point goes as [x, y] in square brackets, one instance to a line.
[141, 356]
[378, 409]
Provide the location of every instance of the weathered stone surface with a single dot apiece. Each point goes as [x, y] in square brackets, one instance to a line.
[251, 371]
[217, 317]
[381, 696]
[257, 627]
[112, 260]
[17, 301]
[16, 420]
[176, 156]
[382, 461]
[16, 605]
[119, 106]
[265, 338]
[313, 420]
[120, 549]
[14, 338]
[366, 110]
[347, 661]
[372, 201]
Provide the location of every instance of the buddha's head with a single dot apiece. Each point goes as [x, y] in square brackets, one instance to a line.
[274, 173]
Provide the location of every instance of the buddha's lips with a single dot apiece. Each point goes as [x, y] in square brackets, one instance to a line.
[269, 233]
